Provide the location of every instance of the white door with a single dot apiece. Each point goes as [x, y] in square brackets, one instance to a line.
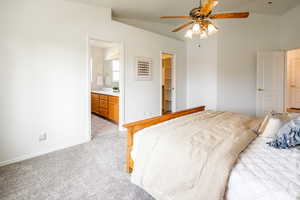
[270, 82]
[294, 81]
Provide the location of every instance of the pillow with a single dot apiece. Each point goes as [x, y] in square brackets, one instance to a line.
[272, 128]
[288, 136]
[274, 122]
[263, 124]
[293, 115]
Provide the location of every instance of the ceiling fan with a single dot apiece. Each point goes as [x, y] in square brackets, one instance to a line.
[201, 19]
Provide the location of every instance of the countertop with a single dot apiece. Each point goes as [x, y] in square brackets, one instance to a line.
[111, 93]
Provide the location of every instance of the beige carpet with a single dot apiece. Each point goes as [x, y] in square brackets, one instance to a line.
[94, 170]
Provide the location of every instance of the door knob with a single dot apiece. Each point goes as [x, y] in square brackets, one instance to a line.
[260, 90]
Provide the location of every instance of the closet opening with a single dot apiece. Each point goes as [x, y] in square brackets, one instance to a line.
[168, 100]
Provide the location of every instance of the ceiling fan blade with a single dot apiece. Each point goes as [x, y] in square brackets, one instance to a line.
[229, 15]
[182, 26]
[208, 6]
[175, 17]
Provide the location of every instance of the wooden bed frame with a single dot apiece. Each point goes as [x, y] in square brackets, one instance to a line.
[133, 127]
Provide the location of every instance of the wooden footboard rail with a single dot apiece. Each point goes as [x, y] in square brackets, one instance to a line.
[133, 127]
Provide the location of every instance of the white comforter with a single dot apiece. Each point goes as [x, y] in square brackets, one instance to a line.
[190, 158]
[265, 173]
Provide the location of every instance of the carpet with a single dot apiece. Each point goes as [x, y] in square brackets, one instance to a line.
[90, 171]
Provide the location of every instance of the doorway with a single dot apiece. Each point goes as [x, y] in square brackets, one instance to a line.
[168, 100]
[270, 82]
[105, 61]
[293, 81]
[278, 81]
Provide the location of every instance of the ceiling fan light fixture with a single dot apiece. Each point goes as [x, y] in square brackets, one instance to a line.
[212, 29]
[196, 28]
[215, 3]
[200, 19]
[189, 34]
[203, 35]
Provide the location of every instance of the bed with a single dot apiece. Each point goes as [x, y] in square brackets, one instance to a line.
[265, 173]
[260, 172]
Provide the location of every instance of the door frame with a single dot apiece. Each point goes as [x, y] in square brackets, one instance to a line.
[121, 83]
[284, 92]
[173, 53]
[286, 86]
[286, 89]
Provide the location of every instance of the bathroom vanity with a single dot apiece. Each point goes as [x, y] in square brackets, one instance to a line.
[106, 104]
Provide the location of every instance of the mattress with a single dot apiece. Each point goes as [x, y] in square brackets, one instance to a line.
[265, 173]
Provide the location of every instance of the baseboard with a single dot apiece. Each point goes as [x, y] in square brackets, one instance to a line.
[33, 155]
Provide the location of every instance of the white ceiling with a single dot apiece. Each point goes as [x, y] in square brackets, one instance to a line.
[151, 10]
[141, 13]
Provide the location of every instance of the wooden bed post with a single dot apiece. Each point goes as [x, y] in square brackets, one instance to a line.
[129, 165]
[133, 127]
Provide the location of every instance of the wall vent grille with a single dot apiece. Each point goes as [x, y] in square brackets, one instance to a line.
[144, 68]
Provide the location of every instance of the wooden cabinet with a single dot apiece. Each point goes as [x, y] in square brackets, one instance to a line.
[113, 108]
[106, 106]
[103, 112]
[103, 105]
[95, 103]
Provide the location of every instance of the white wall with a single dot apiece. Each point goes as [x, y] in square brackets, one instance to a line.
[97, 55]
[222, 72]
[112, 53]
[290, 29]
[202, 62]
[43, 73]
[238, 44]
[161, 28]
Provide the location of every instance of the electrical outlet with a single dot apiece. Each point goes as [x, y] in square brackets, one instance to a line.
[43, 137]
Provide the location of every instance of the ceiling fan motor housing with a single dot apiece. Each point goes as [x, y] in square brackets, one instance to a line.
[196, 13]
